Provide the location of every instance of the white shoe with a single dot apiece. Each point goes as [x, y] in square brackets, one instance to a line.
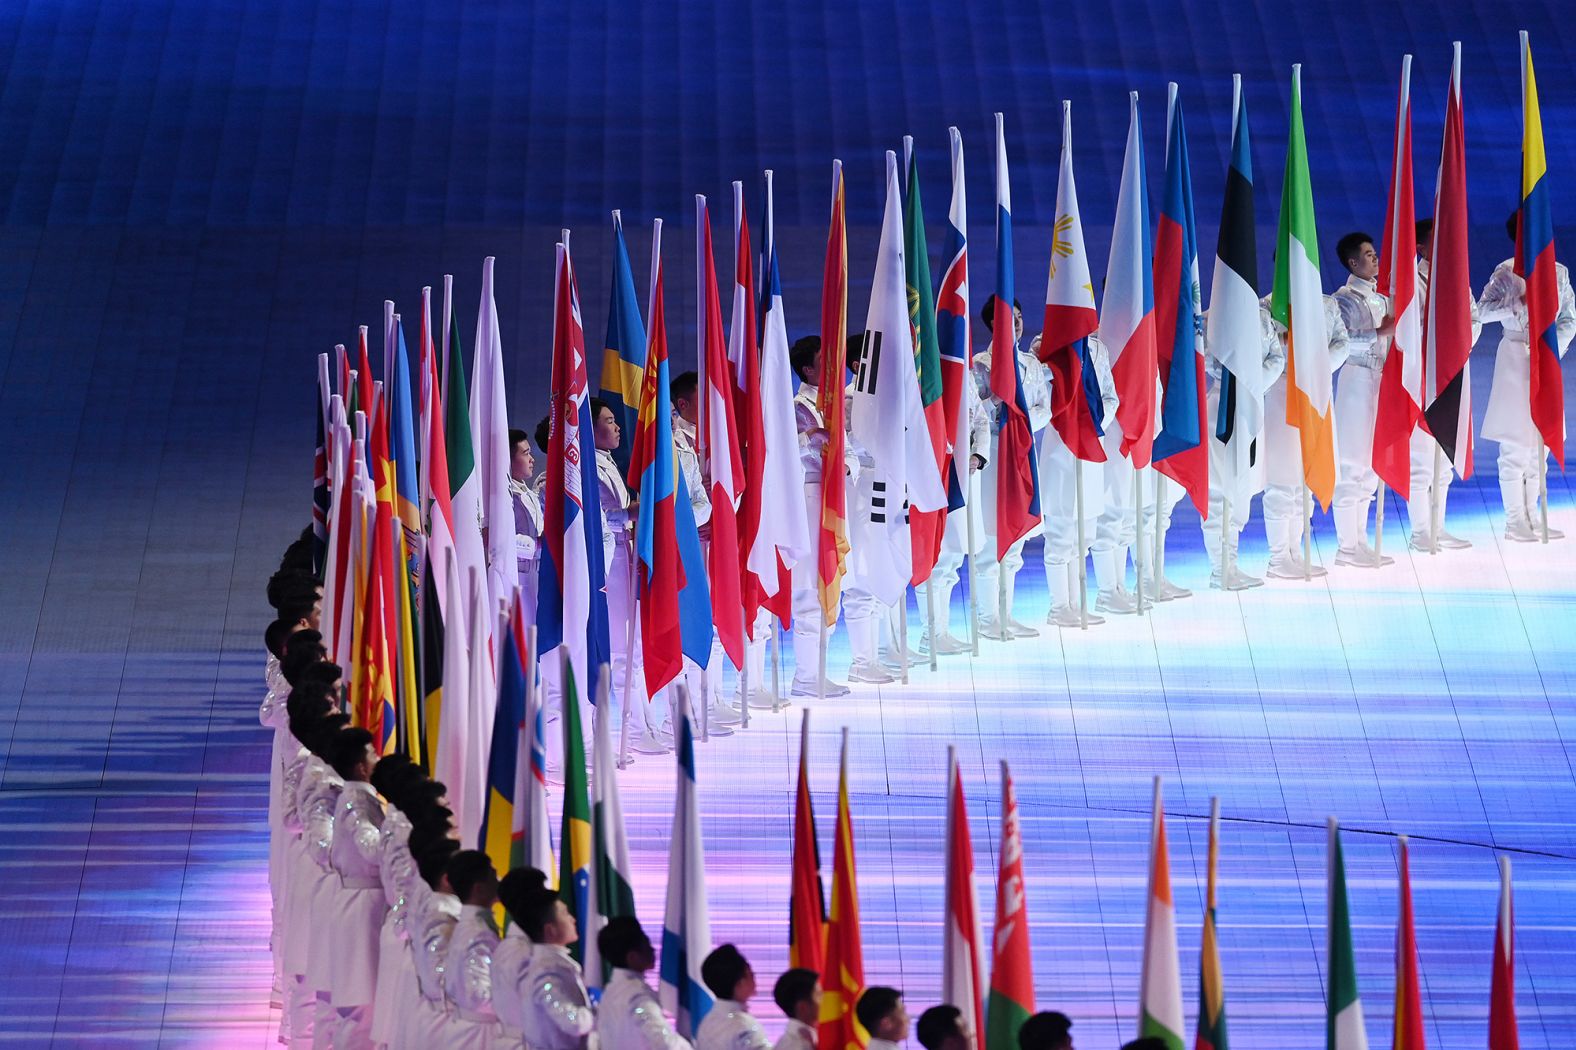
[1118, 601]
[723, 713]
[892, 659]
[1167, 591]
[647, 744]
[1236, 580]
[715, 728]
[1067, 616]
[1291, 567]
[762, 700]
[1022, 630]
[1452, 543]
[946, 645]
[990, 629]
[869, 674]
[1362, 556]
[828, 687]
[1518, 530]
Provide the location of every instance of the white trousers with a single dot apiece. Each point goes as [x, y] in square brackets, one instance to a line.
[1430, 474]
[1284, 511]
[1518, 480]
[1228, 481]
[1356, 408]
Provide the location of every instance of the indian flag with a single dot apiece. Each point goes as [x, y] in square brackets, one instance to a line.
[1344, 1008]
[1297, 302]
[1160, 984]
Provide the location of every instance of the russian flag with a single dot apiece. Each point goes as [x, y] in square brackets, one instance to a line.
[1070, 318]
[571, 607]
[675, 604]
[1017, 462]
[1179, 452]
[1127, 313]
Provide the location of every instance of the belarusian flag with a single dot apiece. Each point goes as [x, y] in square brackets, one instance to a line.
[1408, 1030]
[1298, 304]
[1160, 981]
[1211, 1031]
[1011, 972]
[1343, 1008]
[1502, 1034]
[925, 527]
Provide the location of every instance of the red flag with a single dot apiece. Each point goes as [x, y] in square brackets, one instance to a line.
[1502, 1034]
[1011, 973]
[843, 974]
[1401, 381]
[962, 962]
[807, 901]
[718, 433]
[1408, 1031]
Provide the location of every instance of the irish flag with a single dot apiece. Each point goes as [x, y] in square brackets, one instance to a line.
[1011, 974]
[1297, 302]
[1160, 983]
[1343, 1028]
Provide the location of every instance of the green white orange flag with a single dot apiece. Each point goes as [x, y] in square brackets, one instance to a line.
[1211, 1031]
[1343, 1007]
[1160, 981]
[1297, 302]
[1408, 1030]
[1011, 999]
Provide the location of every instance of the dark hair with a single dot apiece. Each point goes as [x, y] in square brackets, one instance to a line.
[853, 350]
[302, 650]
[289, 586]
[794, 987]
[544, 430]
[317, 736]
[1513, 224]
[419, 797]
[1348, 247]
[936, 1024]
[597, 405]
[723, 969]
[1147, 1042]
[802, 355]
[432, 859]
[466, 870]
[515, 437]
[1047, 1030]
[274, 636]
[516, 890]
[988, 311]
[389, 777]
[875, 1005]
[307, 707]
[622, 935]
[348, 750]
[684, 385]
[1423, 229]
[298, 555]
[536, 907]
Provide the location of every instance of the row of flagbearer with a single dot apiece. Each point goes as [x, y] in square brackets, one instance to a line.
[389, 934]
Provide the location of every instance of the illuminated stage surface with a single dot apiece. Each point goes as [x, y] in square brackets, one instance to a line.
[1433, 698]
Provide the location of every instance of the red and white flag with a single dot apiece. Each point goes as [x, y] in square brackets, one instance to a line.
[962, 947]
[1401, 382]
[1502, 1033]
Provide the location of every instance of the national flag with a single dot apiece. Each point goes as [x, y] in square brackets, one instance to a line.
[1211, 1031]
[465, 498]
[438, 516]
[624, 353]
[744, 362]
[490, 428]
[481, 681]
[953, 335]
[1535, 265]
[1297, 302]
[1447, 311]
[925, 527]
[843, 972]
[1180, 452]
[962, 951]
[1127, 311]
[1401, 380]
[1070, 319]
[612, 872]
[686, 928]
[449, 755]
[362, 521]
[1160, 980]
[571, 604]
[806, 899]
[408, 545]
[1232, 330]
[1408, 1028]
[889, 421]
[675, 607]
[574, 833]
[1344, 1008]
[782, 536]
[320, 479]
[832, 531]
[499, 819]
[1011, 973]
[378, 605]
[1502, 1032]
[718, 434]
[531, 835]
[339, 569]
[1017, 460]
[366, 397]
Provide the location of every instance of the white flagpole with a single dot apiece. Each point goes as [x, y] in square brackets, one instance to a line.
[777, 663]
[629, 655]
[1160, 545]
[1138, 538]
[1307, 533]
[968, 521]
[930, 611]
[1226, 561]
[1434, 524]
[1543, 489]
[1083, 555]
[1379, 524]
[902, 630]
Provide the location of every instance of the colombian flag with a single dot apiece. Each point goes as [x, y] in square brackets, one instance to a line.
[1535, 265]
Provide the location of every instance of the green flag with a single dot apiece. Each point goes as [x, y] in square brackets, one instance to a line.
[1344, 1008]
[574, 841]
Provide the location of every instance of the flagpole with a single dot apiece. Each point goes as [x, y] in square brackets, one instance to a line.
[1307, 534]
[1434, 524]
[744, 673]
[968, 520]
[820, 684]
[1138, 537]
[1083, 567]
[777, 661]
[1159, 570]
[629, 656]
[1543, 488]
[1001, 601]
[1226, 561]
[1379, 523]
[930, 612]
[902, 626]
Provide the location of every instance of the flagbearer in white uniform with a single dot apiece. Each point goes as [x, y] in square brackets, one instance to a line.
[1370, 323]
[1059, 497]
[619, 511]
[512, 957]
[1285, 514]
[883, 1014]
[432, 923]
[467, 968]
[954, 538]
[728, 1025]
[551, 999]
[1225, 477]
[1431, 470]
[527, 520]
[806, 360]
[629, 1015]
[1508, 419]
[1036, 380]
[798, 995]
[706, 681]
[357, 918]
